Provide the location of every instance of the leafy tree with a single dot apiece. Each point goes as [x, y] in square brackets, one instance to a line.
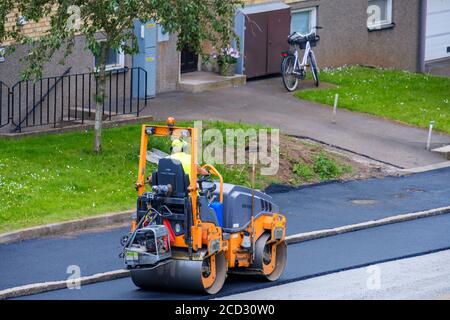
[111, 21]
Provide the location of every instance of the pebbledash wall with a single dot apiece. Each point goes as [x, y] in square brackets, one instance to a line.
[82, 61]
[345, 38]
[168, 65]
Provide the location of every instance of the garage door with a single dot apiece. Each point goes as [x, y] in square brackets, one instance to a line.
[438, 30]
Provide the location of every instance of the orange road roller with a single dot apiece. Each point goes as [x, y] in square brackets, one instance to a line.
[190, 231]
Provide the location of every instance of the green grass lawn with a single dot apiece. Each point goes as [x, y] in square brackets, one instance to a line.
[57, 177]
[403, 96]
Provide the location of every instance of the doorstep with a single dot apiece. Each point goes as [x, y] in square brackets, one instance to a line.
[200, 81]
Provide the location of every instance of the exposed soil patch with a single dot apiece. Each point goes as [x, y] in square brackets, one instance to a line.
[305, 162]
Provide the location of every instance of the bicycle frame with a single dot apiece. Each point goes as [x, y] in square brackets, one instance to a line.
[302, 66]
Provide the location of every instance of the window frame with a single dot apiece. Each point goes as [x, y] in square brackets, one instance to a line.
[382, 23]
[312, 16]
[117, 66]
[2, 55]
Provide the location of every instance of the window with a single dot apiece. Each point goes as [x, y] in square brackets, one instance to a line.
[304, 20]
[114, 60]
[21, 21]
[162, 34]
[2, 55]
[379, 14]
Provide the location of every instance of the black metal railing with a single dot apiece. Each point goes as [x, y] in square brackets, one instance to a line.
[71, 98]
[4, 105]
[36, 106]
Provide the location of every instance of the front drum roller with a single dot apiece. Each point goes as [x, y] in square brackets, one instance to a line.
[270, 258]
[202, 276]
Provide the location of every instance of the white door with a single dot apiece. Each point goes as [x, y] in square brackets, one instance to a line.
[438, 30]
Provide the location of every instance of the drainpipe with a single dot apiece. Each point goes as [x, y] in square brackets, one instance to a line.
[423, 9]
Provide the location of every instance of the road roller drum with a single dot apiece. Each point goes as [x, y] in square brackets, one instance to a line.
[204, 276]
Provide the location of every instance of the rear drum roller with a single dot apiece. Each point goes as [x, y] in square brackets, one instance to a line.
[214, 272]
[184, 275]
[270, 258]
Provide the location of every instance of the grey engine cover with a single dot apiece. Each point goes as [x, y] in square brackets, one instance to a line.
[237, 204]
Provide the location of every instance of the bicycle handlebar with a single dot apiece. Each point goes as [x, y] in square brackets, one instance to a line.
[317, 37]
[311, 32]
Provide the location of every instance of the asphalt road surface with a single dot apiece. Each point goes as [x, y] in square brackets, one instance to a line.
[306, 209]
[305, 260]
[423, 277]
[339, 204]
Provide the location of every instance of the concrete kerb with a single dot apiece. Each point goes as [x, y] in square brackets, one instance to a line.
[302, 237]
[79, 127]
[36, 288]
[297, 238]
[436, 166]
[62, 228]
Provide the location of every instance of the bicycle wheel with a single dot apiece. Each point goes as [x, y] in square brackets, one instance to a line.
[290, 80]
[314, 69]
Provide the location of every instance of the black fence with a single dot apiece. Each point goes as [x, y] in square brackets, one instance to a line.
[71, 98]
[4, 104]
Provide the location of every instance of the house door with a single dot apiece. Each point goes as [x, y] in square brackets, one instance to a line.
[264, 39]
[255, 57]
[277, 28]
[189, 61]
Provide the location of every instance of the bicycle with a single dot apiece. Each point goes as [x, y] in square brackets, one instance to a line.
[292, 70]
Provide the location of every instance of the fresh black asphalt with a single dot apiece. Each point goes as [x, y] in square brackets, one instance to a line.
[307, 209]
[333, 205]
[305, 260]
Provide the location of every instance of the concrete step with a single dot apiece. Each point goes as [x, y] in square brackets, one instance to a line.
[200, 81]
[77, 125]
[88, 115]
[444, 151]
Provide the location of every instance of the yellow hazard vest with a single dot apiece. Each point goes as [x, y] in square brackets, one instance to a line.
[185, 160]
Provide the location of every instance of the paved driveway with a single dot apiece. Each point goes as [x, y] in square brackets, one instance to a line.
[266, 102]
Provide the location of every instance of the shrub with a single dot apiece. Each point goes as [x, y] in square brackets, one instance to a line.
[325, 167]
[303, 171]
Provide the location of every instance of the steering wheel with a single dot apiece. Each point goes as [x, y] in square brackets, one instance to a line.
[204, 178]
[206, 184]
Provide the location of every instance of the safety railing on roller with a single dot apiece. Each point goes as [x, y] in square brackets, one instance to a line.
[71, 99]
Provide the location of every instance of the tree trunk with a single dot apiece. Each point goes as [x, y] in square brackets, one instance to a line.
[101, 80]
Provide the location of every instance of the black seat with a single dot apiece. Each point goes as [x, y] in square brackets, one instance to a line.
[170, 171]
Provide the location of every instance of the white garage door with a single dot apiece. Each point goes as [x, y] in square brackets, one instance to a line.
[438, 30]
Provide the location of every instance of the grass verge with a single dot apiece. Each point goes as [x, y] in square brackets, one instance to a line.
[51, 178]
